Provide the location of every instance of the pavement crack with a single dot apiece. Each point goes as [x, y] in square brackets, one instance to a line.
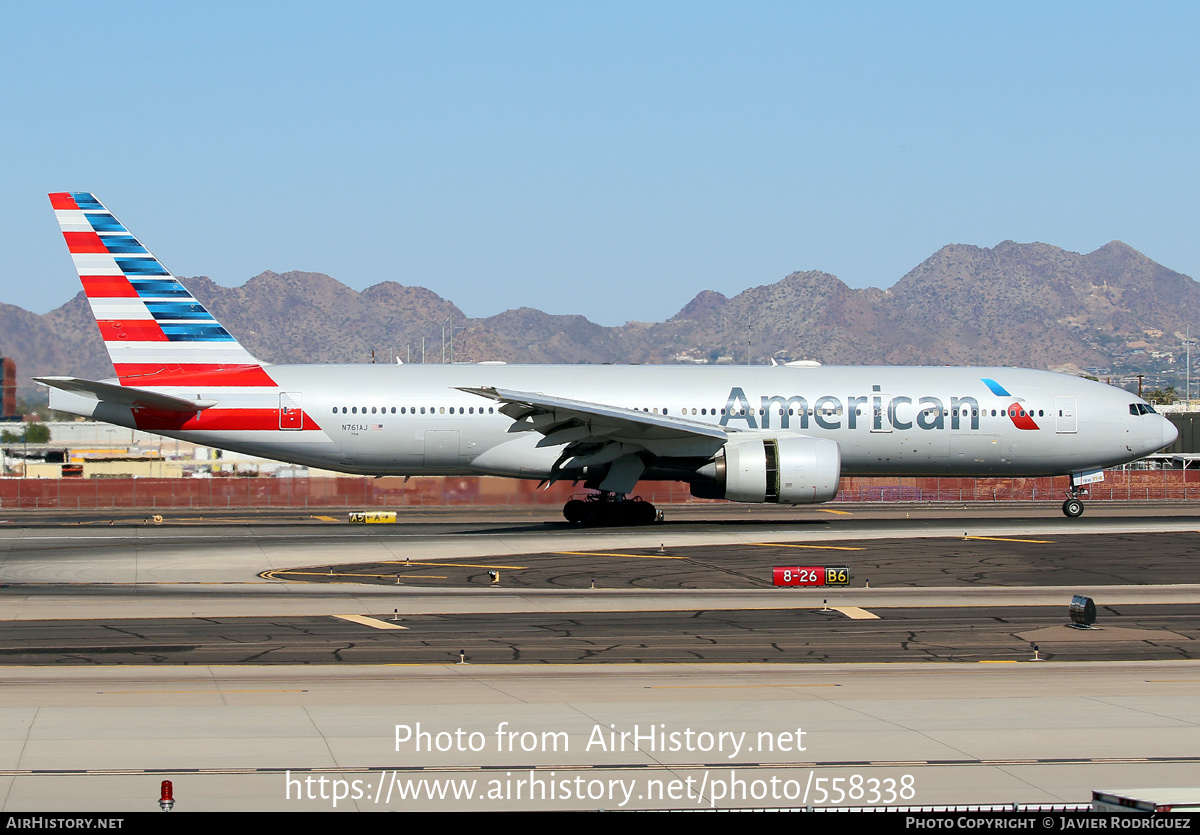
[259, 655]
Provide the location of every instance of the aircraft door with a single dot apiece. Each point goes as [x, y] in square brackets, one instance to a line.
[1066, 420]
[441, 448]
[291, 413]
[881, 412]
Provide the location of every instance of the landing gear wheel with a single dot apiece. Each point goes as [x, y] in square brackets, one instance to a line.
[610, 511]
[1073, 508]
[574, 510]
[646, 514]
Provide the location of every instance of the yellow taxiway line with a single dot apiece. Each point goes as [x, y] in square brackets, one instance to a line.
[630, 556]
[816, 547]
[454, 565]
[1004, 539]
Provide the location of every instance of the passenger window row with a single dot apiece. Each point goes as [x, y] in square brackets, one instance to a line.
[859, 412]
[412, 410]
[1134, 409]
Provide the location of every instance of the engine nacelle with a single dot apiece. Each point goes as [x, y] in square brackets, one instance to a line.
[775, 470]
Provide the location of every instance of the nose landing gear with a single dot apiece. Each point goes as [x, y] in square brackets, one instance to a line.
[1073, 506]
[609, 509]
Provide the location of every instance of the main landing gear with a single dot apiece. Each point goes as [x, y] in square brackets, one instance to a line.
[1073, 506]
[609, 509]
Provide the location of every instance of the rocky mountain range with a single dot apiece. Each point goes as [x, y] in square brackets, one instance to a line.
[1111, 311]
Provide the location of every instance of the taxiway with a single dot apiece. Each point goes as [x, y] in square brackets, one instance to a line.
[231, 655]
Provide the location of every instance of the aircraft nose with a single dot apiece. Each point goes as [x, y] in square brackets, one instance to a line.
[1169, 433]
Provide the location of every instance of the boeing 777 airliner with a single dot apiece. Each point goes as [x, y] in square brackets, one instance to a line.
[781, 434]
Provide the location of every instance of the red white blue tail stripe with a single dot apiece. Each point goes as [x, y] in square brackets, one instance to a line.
[156, 332]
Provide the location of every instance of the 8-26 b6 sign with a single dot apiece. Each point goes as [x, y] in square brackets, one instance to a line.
[810, 575]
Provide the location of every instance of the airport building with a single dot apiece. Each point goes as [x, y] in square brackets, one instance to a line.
[89, 449]
[1185, 452]
[8, 388]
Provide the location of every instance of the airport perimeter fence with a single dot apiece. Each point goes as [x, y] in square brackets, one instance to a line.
[1118, 485]
[429, 491]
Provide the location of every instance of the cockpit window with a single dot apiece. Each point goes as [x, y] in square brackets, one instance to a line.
[1141, 409]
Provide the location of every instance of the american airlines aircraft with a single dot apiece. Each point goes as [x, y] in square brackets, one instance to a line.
[780, 434]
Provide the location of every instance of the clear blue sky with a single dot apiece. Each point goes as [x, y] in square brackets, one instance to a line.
[607, 159]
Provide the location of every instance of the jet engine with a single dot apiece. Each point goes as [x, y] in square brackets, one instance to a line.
[776, 470]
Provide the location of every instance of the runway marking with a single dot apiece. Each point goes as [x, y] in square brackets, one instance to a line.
[454, 565]
[603, 554]
[1003, 539]
[1172, 680]
[572, 767]
[839, 512]
[855, 613]
[193, 520]
[734, 686]
[999, 661]
[327, 518]
[351, 574]
[374, 623]
[817, 547]
[214, 692]
[151, 583]
[114, 771]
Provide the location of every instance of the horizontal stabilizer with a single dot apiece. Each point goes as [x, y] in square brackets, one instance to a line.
[126, 395]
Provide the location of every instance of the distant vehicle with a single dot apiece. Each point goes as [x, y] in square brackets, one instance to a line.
[1146, 800]
[774, 434]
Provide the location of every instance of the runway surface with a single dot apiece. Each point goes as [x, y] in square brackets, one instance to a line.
[245, 737]
[239, 642]
[846, 634]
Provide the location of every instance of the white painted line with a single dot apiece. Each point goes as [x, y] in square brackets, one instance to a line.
[374, 623]
[855, 613]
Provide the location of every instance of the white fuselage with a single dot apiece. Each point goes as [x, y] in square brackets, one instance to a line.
[414, 419]
[781, 434]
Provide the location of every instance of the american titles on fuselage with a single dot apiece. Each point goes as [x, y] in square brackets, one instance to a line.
[883, 412]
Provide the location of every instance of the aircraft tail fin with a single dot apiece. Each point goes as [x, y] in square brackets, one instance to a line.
[156, 332]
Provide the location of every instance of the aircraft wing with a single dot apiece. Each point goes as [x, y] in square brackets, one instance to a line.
[558, 417]
[126, 395]
[593, 435]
